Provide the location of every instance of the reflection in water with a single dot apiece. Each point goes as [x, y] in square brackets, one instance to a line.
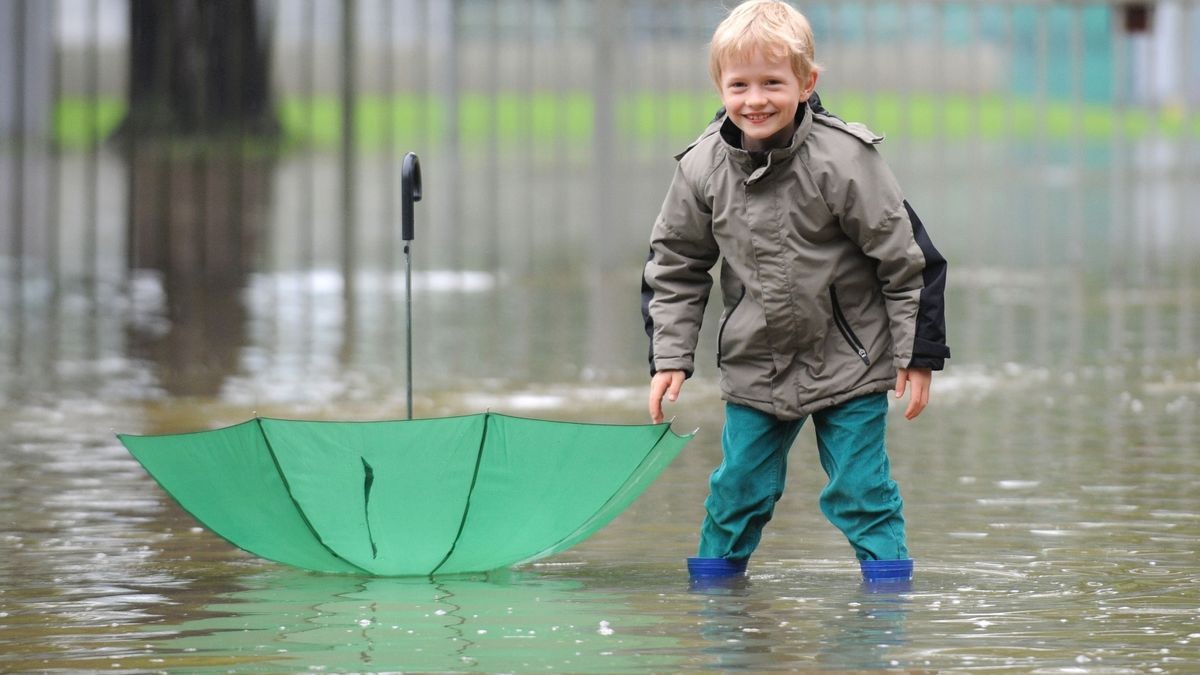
[747, 626]
[860, 627]
[872, 633]
[733, 625]
[199, 347]
[284, 619]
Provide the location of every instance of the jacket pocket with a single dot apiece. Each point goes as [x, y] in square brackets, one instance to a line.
[728, 316]
[844, 327]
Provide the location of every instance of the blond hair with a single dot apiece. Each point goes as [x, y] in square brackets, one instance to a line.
[772, 27]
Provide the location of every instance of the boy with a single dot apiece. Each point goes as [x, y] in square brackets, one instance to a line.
[832, 293]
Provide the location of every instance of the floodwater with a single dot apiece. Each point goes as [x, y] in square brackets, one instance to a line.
[1052, 488]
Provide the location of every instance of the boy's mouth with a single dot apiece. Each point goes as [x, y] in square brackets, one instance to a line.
[758, 118]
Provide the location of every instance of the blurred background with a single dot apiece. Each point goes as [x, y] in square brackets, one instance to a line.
[201, 197]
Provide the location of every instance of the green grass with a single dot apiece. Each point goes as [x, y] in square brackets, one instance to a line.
[998, 118]
[79, 121]
[511, 119]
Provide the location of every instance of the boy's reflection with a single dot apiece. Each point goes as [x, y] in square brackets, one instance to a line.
[861, 626]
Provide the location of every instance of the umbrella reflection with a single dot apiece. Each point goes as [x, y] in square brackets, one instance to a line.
[292, 620]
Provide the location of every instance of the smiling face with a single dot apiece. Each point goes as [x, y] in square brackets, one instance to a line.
[761, 97]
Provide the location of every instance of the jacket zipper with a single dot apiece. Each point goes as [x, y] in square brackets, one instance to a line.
[844, 326]
[721, 333]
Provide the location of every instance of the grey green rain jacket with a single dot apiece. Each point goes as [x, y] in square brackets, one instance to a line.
[828, 278]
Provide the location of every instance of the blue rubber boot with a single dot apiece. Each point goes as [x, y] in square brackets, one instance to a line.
[886, 571]
[715, 568]
[716, 575]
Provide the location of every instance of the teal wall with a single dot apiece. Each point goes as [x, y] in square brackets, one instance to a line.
[1095, 50]
[1018, 29]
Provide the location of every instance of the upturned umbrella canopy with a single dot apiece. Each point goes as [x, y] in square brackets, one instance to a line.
[411, 497]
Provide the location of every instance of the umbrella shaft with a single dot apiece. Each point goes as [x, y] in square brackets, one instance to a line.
[408, 325]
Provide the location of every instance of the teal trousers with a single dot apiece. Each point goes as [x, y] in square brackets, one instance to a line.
[860, 498]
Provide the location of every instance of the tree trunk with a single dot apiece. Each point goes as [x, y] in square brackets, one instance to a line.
[199, 68]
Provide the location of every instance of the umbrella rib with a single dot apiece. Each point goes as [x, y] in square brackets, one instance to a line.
[470, 491]
[368, 481]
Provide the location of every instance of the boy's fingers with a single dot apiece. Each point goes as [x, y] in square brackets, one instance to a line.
[901, 382]
[676, 385]
[914, 408]
[663, 384]
[918, 399]
[655, 402]
[655, 412]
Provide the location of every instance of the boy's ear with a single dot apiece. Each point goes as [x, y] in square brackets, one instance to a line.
[810, 87]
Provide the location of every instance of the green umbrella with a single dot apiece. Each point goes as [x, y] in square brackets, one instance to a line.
[412, 497]
[407, 497]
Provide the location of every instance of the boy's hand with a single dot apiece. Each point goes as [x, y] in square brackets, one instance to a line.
[664, 382]
[918, 398]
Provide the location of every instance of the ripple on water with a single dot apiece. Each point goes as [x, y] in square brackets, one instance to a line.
[1025, 501]
[1017, 484]
[1108, 489]
[1176, 515]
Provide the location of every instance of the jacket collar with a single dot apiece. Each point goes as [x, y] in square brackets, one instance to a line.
[731, 138]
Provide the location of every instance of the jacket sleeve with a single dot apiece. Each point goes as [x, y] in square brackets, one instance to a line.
[676, 280]
[911, 271]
